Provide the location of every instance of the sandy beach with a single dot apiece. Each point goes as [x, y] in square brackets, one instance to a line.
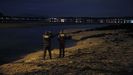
[102, 51]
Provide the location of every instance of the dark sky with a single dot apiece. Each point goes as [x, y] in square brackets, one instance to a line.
[67, 7]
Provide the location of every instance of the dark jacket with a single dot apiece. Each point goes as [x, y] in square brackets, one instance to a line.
[47, 40]
[61, 39]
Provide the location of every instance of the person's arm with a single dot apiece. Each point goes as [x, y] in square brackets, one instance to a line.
[58, 37]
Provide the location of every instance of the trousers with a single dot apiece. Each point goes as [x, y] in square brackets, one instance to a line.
[49, 51]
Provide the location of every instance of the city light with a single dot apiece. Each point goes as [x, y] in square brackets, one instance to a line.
[106, 20]
[62, 20]
[131, 21]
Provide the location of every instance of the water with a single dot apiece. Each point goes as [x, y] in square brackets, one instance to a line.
[15, 42]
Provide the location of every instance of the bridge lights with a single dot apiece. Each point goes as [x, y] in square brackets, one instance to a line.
[131, 21]
[62, 20]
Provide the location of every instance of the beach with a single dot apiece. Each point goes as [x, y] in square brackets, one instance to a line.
[102, 51]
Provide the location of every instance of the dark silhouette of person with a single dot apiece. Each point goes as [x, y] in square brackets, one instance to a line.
[61, 39]
[47, 44]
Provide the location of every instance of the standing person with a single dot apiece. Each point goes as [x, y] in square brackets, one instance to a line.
[61, 39]
[47, 43]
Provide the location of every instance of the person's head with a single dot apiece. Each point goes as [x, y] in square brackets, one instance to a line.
[46, 33]
[49, 32]
[61, 31]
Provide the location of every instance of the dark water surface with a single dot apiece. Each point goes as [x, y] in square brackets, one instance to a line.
[15, 42]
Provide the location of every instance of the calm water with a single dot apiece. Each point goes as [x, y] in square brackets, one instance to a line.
[15, 42]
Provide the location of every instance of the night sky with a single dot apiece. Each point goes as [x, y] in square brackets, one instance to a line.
[67, 7]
